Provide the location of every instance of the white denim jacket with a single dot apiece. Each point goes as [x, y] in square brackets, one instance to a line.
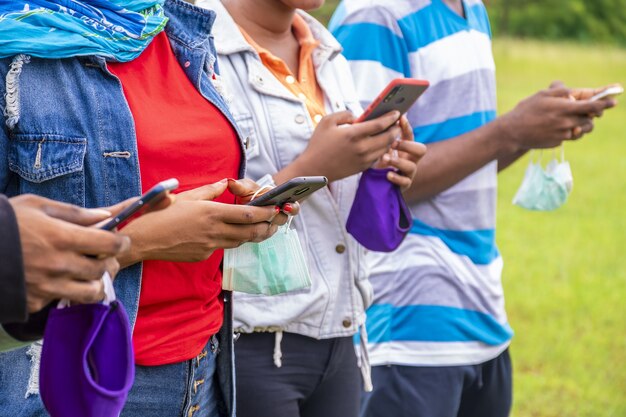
[278, 129]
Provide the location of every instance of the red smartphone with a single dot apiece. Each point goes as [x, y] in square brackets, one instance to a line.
[400, 94]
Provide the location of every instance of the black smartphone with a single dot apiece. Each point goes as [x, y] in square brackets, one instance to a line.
[291, 191]
[154, 194]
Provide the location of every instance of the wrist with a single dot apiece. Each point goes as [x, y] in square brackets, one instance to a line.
[506, 136]
[136, 253]
[301, 166]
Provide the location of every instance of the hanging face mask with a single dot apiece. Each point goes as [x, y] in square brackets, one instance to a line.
[275, 266]
[545, 189]
[87, 361]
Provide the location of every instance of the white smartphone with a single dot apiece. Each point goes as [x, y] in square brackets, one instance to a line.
[610, 92]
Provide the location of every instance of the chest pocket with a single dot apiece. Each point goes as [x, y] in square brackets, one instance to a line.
[49, 165]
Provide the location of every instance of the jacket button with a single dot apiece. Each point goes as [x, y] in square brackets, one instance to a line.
[346, 323]
[299, 119]
[340, 248]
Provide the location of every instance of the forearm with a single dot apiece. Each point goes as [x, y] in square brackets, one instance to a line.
[448, 162]
[506, 161]
[298, 168]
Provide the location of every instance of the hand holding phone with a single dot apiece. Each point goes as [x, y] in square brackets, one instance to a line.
[153, 195]
[400, 94]
[294, 190]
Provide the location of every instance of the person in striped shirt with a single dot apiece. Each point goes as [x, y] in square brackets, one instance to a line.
[438, 330]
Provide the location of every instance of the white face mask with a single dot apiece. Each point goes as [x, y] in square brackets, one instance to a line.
[545, 189]
[275, 266]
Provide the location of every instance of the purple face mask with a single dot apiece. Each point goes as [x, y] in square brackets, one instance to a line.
[379, 218]
[87, 361]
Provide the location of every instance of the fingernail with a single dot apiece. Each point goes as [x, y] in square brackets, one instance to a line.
[386, 158]
[288, 208]
[225, 180]
[100, 212]
[125, 244]
[396, 114]
[277, 209]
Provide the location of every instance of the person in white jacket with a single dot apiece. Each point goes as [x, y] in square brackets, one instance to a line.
[292, 94]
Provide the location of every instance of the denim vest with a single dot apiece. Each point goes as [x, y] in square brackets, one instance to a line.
[69, 135]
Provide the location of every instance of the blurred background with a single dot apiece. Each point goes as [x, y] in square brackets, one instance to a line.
[565, 271]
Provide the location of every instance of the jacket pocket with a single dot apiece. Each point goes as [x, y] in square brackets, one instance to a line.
[49, 165]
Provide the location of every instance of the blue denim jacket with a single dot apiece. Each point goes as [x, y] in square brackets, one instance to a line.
[68, 134]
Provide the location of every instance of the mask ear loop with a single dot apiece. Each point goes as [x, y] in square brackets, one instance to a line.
[109, 292]
[562, 152]
[269, 187]
[288, 224]
[257, 192]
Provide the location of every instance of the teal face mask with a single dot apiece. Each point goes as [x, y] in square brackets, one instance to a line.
[545, 189]
[275, 266]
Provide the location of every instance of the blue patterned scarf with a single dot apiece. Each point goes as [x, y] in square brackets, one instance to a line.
[115, 29]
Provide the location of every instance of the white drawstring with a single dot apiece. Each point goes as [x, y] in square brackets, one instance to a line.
[363, 360]
[278, 353]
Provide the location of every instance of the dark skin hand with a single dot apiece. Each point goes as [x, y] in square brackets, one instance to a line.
[194, 227]
[59, 250]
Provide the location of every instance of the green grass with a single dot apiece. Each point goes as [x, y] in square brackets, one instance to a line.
[565, 271]
[565, 274]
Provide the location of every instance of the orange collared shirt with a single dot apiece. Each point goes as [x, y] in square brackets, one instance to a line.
[305, 85]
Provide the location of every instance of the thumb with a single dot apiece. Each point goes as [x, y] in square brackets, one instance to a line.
[557, 84]
[74, 214]
[206, 192]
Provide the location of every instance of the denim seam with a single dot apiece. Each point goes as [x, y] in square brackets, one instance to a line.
[188, 377]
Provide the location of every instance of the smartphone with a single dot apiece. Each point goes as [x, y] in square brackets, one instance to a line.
[400, 94]
[291, 191]
[154, 194]
[610, 92]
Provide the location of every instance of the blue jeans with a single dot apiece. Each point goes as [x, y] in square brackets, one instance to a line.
[185, 389]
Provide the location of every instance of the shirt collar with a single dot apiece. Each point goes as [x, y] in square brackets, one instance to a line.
[189, 24]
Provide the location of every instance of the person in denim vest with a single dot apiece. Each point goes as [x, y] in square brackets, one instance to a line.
[98, 118]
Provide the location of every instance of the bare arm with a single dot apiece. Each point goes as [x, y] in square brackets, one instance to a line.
[543, 120]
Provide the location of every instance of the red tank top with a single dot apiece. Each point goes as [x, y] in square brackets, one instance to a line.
[182, 135]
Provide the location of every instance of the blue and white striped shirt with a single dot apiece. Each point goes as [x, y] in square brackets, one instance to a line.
[438, 298]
